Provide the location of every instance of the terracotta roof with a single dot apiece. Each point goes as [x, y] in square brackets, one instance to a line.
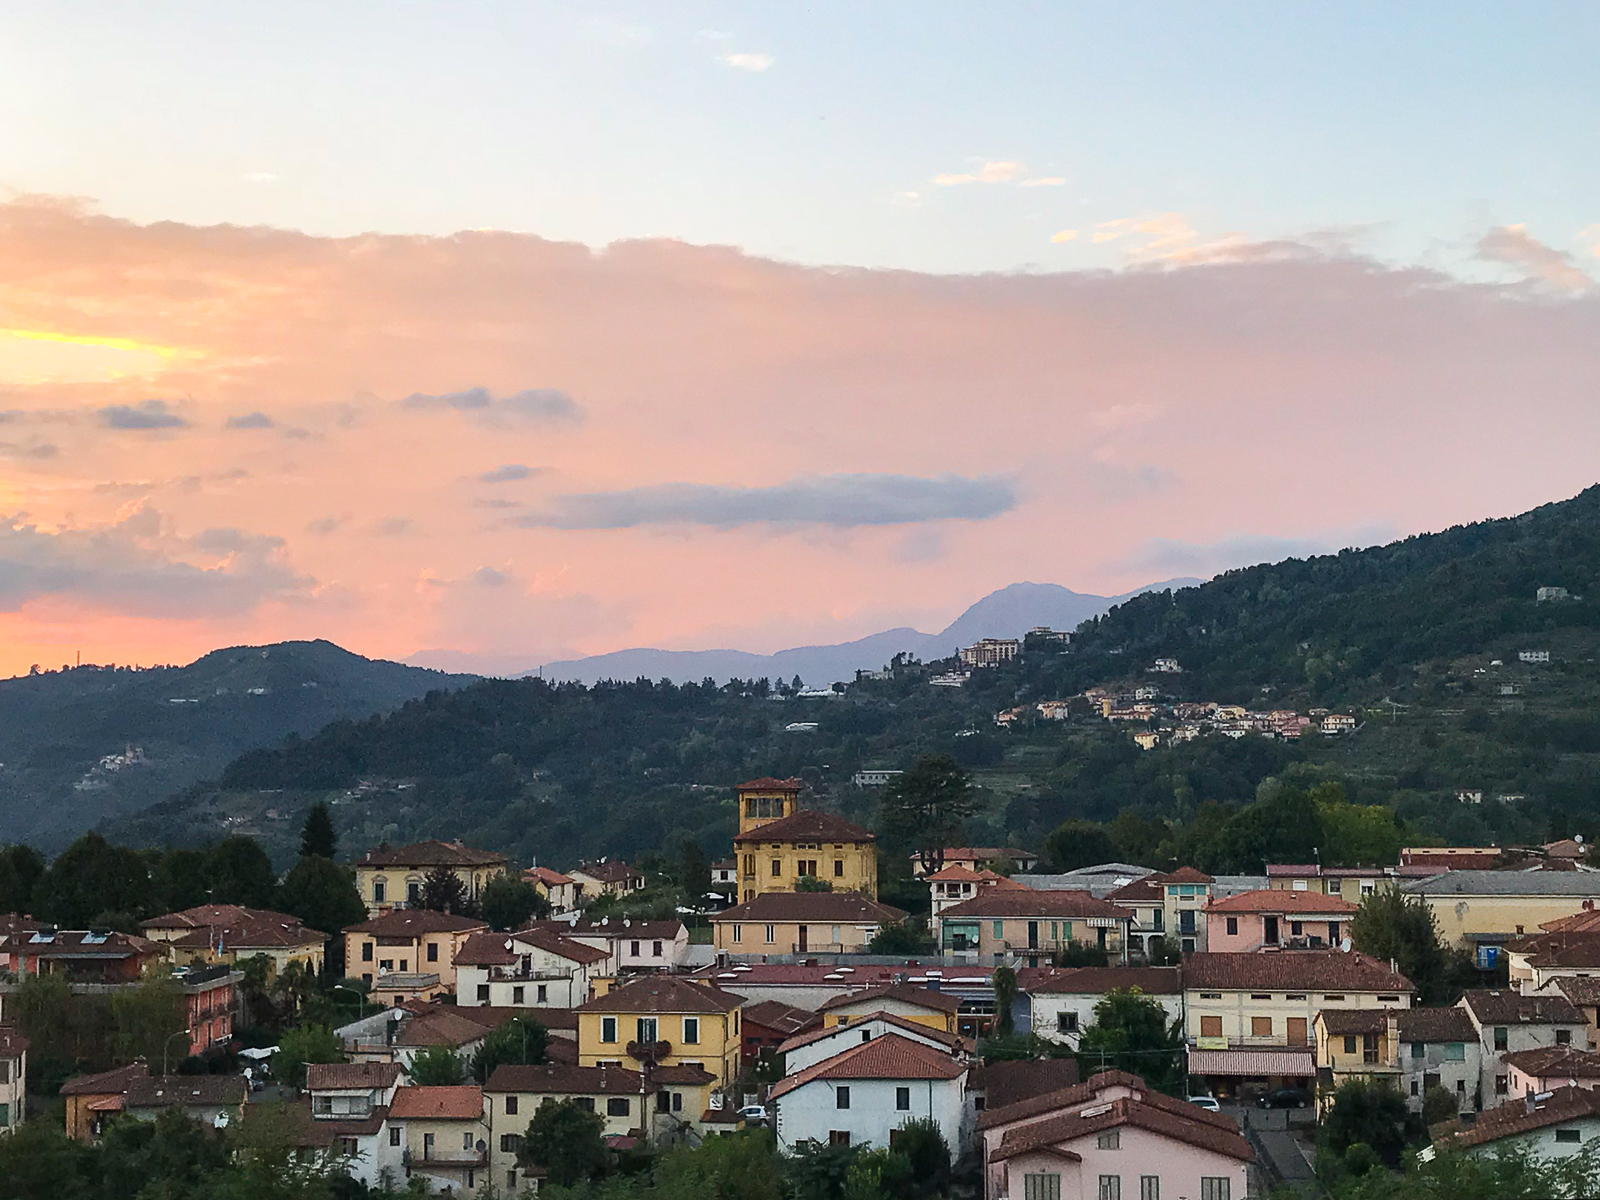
[1435, 1025]
[1508, 1120]
[768, 784]
[438, 1103]
[1564, 949]
[888, 1057]
[557, 1079]
[1580, 989]
[1293, 870]
[251, 933]
[684, 1073]
[905, 993]
[431, 854]
[1292, 970]
[499, 949]
[1147, 889]
[441, 1027]
[546, 876]
[1352, 1020]
[1188, 875]
[952, 1041]
[1501, 1006]
[1030, 903]
[1006, 1083]
[1555, 1062]
[780, 1018]
[663, 994]
[486, 950]
[79, 943]
[1587, 921]
[300, 1128]
[613, 871]
[414, 922]
[1279, 900]
[615, 927]
[345, 1076]
[214, 915]
[1088, 981]
[492, 1016]
[960, 874]
[822, 908]
[106, 1083]
[1048, 1102]
[807, 825]
[1162, 1121]
[201, 1091]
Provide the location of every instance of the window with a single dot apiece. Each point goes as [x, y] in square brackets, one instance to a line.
[511, 1106]
[1333, 998]
[433, 951]
[1294, 996]
[1388, 999]
[1419, 1049]
[777, 867]
[838, 868]
[1415, 1090]
[385, 964]
[617, 1106]
[1500, 1088]
[1260, 1026]
[1455, 1052]
[1261, 995]
[645, 1027]
[366, 951]
[1041, 1187]
[1214, 1187]
[1210, 1026]
[1568, 1135]
[413, 892]
[1111, 1139]
[1296, 929]
[677, 1101]
[509, 1142]
[902, 1099]
[838, 1137]
[841, 1097]
[405, 964]
[1349, 1043]
[691, 1030]
[466, 1140]
[1233, 926]
[584, 1102]
[519, 994]
[998, 930]
[1211, 995]
[608, 1029]
[1563, 1037]
[1369, 1048]
[511, 1180]
[1066, 1022]
[634, 949]
[394, 1135]
[738, 933]
[772, 934]
[655, 949]
[378, 891]
[1110, 1188]
[1149, 1187]
[749, 866]
[1499, 1037]
[483, 993]
[542, 996]
[366, 978]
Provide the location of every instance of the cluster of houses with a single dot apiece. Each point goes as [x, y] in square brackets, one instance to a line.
[1180, 721]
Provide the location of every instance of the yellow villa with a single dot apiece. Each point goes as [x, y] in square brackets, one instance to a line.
[390, 878]
[662, 1021]
[779, 843]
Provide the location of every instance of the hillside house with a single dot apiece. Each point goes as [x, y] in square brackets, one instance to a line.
[390, 878]
[1028, 927]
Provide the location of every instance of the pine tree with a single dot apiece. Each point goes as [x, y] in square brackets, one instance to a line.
[319, 838]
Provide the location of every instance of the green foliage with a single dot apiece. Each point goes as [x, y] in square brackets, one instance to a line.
[302, 1045]
[520, 1041]
[21, 868]
[1015, 1047]
[1075, 843]
[510, 903]
[810, 883]
[1391, 924]
[443, 891]
[437, 1066]
[149, 1022]
[92, 880]
[241, 873]
[567, 1141]
[1005, 997]
[1373, 1114]
[1513, 1172]
[910, 936]
[1439, 1104]
[1081, 954]
[745, 1166]
[323, 895]
[927, 808]
[1131, 1033]
[319, 839]
[928, 1154]
[70, 1034]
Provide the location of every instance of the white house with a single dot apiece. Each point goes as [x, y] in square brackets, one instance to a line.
[533, 968]
[809, 1048]
[1057, 1003]
[860, 1096]
[1438, 1048]
[1506, 1022]
[349, 1104]
[637, 945]
[1558, 1125]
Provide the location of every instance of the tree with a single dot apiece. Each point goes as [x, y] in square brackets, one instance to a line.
[180, 880]
[241, 873]
[693, 871]
[1131, 1033]
[1074, 844]
[319, 839]
[21, 868]
[1439, 1104]
[443, 891]
[1372, 1113]
[928, 1154]
[90, 880]
[1005, 998]
[437, 1066]
[323, 895]
[510, 903]
[928, 807]
[302, 1045]
[567, 1141]
[1391, 924]
[148, 1021]
[520, 1041]
[910, 936]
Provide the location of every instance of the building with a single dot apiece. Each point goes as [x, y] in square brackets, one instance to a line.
[1017, 927]
[231, 933]
[80, 955]
[514, 1093]
[774, 855]
[560, 891]
[1533, 656]
[815, 1045]
[768, 1024]
[1533, 1072]
[989, 652]
[1355, 1044]
[873, 777]
[1274, 919]
[953, 884]
[1505, 1022]
[767, 799]
[435, 1025]
[92, 1100]
[981, 858]
[1507, 904]
[663, 1020]
[442, 1134]
[13, 1079]
[388, 878]
[1439, 1049]
[1167, 666]
[214, 1100]
[1348, 883]
[861, 1095]
[1057, 1003]
[1111, 1137]
[1560, 1125]
[208, 1004]
[1584, 993]
[808, 983]
[408, 941]
[634, 945]
[1170, 907]
[1452, 858]
[533, 968]
[801, 923]
[346, 1113]
[608, 877]
[1249, 1015]
[920, 1005]
[998, 1084]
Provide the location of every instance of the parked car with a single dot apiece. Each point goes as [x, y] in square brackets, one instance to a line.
[1209, 1103]
[752, 1113]
[1284, 1098]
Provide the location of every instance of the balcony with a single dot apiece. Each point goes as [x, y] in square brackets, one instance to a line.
[435, 1157]
[810, 947]
[649, 1051]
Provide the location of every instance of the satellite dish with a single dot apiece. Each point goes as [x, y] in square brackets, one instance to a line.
[1578, 837]
[1344, 945]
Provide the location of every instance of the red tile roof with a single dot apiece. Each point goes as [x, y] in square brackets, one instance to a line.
[1006, 1083]
[905, 993]
[951, 1041]
[1555, 1062]
[888, 1057]
[431, 854]
[1501, 1006]
[1188, 875]
[437, 1103]
[546, 876]
[1048, 1102]
[807, 825]
[1291, 970]
[779, 1018]
[1280, 900]
[345, 1076]
[1435, 1025]
[768, 784]
[1141, 1114]
[105, 1083]
[439, 1027]
[414, 922]
[557, 1079]
[261, 931]
[611, 871]
[1509, 1120]
[1028, 902]
[663, 994]
[1091, 981]
[206, 916]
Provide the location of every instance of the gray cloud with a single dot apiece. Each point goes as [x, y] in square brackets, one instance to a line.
[509, 473]
[252, 420]
[325, 525]
[34, 450]
[391, 527]
[489, 577]
[1171, 557]
[149, 414]
[531, 404]
[840, 501]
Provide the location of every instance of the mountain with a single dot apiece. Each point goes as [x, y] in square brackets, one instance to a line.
[83, 744]
[1007, 613]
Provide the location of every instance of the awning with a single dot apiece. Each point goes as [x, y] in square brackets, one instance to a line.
[1295, 1063]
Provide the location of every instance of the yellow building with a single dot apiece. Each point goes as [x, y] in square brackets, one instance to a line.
[802, 923]
[407, 942]
[388, 878]
[443, 1133]
[662, 1020]
[1348, 883]
[1472, 904]
[779, 843]
[231, 933]
[923, 1006]
[1359, 1044]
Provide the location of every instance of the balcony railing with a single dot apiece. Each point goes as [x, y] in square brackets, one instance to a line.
[437, 1157]
[649, 1051]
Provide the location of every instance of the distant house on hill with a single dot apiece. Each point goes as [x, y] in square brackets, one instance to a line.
[608, 877]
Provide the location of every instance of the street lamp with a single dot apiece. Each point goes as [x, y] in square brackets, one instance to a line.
[361, 998]
[168, 1042]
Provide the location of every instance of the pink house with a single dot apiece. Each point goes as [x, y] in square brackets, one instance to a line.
[1111, 1136]
[1546, 1068]
[1274, 918]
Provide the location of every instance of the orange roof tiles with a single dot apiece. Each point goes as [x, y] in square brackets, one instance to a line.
[888, 1057]
[437, 1103]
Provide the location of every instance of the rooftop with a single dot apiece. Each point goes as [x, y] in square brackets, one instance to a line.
[1090, 981]
[995, 902]
[561, 1080]
[807, 825]
[437, 1103]
[1435, 1025]
[431, 854]
[888, 1057]
[663, 994]
[780, 1018]
[845, 908]
[414, 922]
[1292, 970]
[1555, 1062]
[1501, 1006]
[1508, 1120]
[350, 1076]
[1509, 883]
[951, 1041]
[905, 993]
[202, 1091]
[1280, 900]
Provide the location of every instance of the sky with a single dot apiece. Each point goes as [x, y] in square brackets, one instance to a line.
[528, 331]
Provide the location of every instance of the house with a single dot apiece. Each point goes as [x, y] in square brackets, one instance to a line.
[1057, 1003]
[208, 1004]
[397, 987]
[1355, 1044]
[725, 879]
[231, 933]
[1348, 883]
[861, 1095]
[214, 1100]
[13, 1079]
[1111, 1137]
[1029, 926]
[1439, 1048]
[1336, 723]
[407, 940]
[1532, 962]
[1166, 910]
[1507, 903]
[635, 945]
[1532, 1072]
[560, 891]
[533, 968]
[924, 1006]
[981, 858]
[663, 1020]
[1003, 1083]
[774, 855]
[388, 878]
[442, 1134]
[952, 885]
[346, 1112]
[1560, 1125]
[92, 1100]
[80, 955]
[1533, 656]
[608, 877]
[809, 983]
[989, 652]
[514, 1093]
[767, 799]
[1249, 1015]
[1584, 993]
[874, 777]
[1506, 1022]
[1273, 919]
[767, 1025]
[1452, 858]
[801, 922]
[815, 1045]
[435, 1025]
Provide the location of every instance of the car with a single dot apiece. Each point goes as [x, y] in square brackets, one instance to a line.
[1209, 1103]
[753, 1112]
[1284, 1098]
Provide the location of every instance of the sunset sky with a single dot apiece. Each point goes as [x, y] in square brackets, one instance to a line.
[528, 331]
